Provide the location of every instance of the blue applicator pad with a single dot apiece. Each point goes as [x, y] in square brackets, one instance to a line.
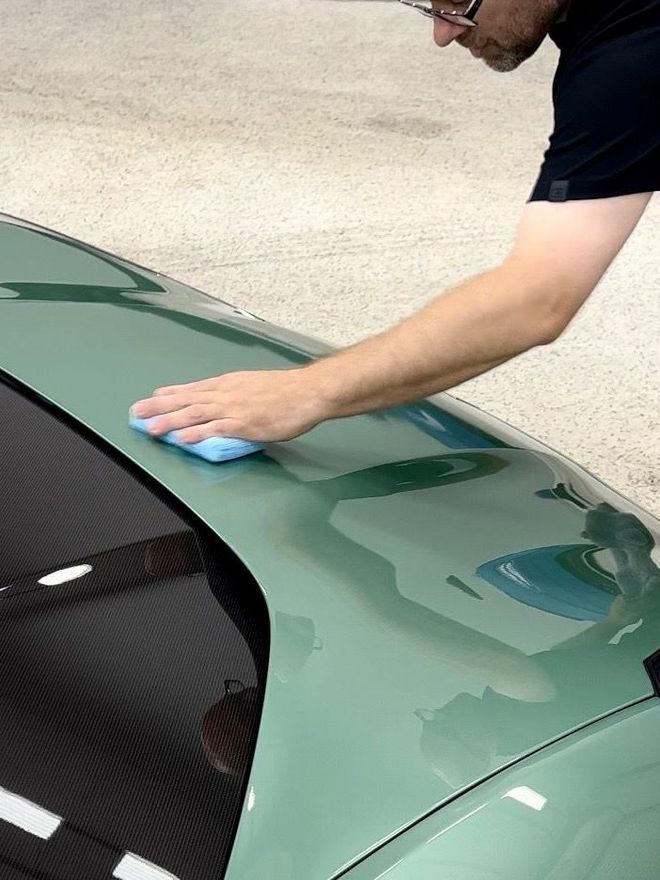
[212, 449]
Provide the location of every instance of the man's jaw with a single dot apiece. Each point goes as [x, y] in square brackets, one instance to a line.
[493, 55]
[466, 41]
[476, 51]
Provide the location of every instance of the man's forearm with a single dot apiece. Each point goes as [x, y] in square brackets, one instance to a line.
[467, 331]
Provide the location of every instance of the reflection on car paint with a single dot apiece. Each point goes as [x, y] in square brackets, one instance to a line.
[585, 807]
[563, 579]
[226, 727]
[296, 642]
[454, 581]
[64, 575]
[462, 739]
[42, 824]
[30, 817]
[452, 432]
[132, 867]
[524, 698]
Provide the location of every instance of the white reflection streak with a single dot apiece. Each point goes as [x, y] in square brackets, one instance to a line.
[527, 796]
[427, 842]
[24, 814]
[64, 575]
[509, 570]
[457, 822]
[251, 800]
[132, 867]
[616, 638]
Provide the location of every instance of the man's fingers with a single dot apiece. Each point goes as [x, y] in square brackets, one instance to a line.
[201, 385]
[169, 389]
[166, 403]
[264, 405]
[216, 428]
[183, 418]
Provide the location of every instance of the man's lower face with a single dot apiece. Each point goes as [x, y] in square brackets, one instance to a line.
[502, 58]
[505, 60]
[505, 38]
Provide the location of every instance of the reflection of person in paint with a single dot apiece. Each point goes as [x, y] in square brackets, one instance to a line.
[300, 523]
[172, 556]
[228, 728]
[460, 739]
[229, 725]
[631, 544]
[302, 526]
[470, 727]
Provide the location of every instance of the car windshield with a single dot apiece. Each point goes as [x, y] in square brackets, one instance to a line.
[133, 649]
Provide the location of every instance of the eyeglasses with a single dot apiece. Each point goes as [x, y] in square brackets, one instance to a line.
[460, 19]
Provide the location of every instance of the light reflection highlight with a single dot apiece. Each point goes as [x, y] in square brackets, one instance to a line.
[616, 638]
[30, 817]
[64, 575]
[132, 867]
[527, 796]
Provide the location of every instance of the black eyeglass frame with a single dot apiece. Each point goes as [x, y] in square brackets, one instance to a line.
[459, 19]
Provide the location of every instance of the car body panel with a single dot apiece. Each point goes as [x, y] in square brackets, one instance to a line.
[383, 544]
[586, 808]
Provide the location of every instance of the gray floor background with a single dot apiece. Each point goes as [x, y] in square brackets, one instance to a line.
[323, 164]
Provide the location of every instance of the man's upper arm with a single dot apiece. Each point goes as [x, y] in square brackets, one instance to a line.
[566, 247]
[603, 160]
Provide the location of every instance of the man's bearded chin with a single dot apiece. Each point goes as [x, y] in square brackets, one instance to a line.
[509, 59]
[523, 46]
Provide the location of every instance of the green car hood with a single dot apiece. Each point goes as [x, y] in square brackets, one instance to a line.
[445, 594]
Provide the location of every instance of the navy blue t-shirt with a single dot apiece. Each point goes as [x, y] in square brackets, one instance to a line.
[606, 94]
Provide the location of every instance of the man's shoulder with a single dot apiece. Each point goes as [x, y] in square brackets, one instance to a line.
[586, 24]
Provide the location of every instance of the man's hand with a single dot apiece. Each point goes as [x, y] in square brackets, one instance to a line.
[267, 405]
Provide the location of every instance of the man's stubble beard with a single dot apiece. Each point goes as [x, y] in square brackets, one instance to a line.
[509, 60]
[523, 46]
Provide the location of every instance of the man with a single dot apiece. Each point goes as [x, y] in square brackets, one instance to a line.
[598, 174]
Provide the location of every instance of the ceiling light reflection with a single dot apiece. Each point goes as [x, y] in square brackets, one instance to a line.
[132, 867]
[64, 575]
[24, 814]
[527, 796]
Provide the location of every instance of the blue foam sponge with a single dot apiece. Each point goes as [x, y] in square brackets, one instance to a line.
[212, 449]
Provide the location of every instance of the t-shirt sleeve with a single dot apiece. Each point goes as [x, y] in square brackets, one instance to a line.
[606, 139]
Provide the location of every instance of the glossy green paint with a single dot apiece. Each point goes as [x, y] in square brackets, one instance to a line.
[587, 808]
[422, 567]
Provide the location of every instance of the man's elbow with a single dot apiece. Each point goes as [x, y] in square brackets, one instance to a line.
[556, 317]
[550, 302]
[551, 326]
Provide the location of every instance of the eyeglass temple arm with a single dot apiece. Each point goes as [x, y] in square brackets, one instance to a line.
[473, 8]
[470, 12]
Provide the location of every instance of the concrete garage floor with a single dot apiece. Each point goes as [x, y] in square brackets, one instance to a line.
[323, 164]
